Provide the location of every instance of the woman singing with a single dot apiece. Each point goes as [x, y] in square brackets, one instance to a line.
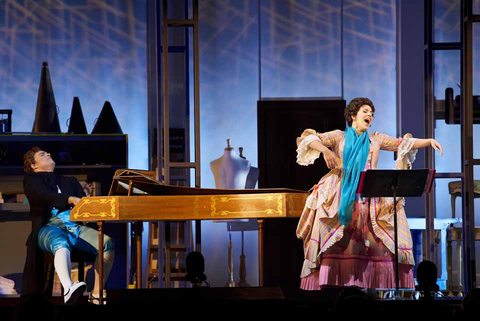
[349, 241]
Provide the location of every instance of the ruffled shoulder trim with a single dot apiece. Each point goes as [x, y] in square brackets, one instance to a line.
[406, 155]
[305, 155]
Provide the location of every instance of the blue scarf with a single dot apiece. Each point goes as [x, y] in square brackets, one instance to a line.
[355, 154]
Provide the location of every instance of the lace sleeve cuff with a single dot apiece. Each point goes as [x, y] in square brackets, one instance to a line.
[406, 155]
[305, 155]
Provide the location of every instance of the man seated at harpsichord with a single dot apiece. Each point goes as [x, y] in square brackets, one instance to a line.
[51, 197]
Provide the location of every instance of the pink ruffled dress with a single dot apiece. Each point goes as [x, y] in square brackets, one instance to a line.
[362, 253]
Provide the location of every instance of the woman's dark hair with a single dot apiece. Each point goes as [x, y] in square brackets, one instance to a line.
[354, 106]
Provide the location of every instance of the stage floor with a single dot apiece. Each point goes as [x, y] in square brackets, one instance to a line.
[227, 302]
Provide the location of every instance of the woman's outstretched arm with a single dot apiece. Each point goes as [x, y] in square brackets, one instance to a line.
[422, 143]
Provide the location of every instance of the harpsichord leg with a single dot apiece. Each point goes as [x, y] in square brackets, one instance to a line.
[260, 251]
[100, 261]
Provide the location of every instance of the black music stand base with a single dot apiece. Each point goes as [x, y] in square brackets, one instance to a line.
[395, 183]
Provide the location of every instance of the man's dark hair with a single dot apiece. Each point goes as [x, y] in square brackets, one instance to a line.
[29, 159]
[354, 106]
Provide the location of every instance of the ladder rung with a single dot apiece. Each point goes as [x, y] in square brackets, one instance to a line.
[172, 247]
[177, 275]
[449, 175]
[154, 278]
[475, 18]
[181, 22]
[177, 247]
[446, 46]
[174, 274]
[182, 165]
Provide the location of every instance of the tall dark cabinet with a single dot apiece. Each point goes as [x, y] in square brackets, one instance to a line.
[280, 122]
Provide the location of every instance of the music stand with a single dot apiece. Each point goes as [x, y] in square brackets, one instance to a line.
[395, 183]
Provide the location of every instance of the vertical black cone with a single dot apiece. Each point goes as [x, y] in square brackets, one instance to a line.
[46, 118]
[77, 122]
[107, 122]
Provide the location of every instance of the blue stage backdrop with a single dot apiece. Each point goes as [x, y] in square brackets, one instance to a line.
[300, 48]
[284, 49]
[249, 49]
[369, 62]
[96, 50]
[229, 90]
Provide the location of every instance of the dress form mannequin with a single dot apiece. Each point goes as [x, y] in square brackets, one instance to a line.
[253, 174]
[248, 225]
[230, 171]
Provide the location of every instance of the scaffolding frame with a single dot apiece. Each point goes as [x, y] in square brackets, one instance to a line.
[466, 124]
